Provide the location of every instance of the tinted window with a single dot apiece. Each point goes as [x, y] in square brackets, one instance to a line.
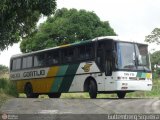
[68, 55]
[52, 57]
[16, 64]
[39, 60]
[81, 53]
[101, 55]
[27, 62]
[85, 52]
[89, 51]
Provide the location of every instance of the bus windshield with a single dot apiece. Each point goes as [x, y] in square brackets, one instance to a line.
[132, 56]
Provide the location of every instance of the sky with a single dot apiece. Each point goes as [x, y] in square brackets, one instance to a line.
[131, 19]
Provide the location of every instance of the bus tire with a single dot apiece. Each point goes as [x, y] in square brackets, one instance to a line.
[92, 89]
[121, 95]
[29, 91]
[54, 95]
[35, 95]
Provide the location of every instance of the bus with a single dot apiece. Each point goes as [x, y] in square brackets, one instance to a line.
[101, 65]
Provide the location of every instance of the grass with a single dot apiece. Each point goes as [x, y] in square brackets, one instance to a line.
[7, 90]
[4, 74]
[3, 98]
[7, 87]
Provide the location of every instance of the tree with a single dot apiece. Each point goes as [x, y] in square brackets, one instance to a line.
[154, 37]
[155, 58]
[3, 69]
[66, 26]
[18, 18]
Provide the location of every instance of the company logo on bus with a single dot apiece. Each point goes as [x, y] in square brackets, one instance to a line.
[86, 67]
[34, 73]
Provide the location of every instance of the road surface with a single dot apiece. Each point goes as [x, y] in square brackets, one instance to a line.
[81, 106]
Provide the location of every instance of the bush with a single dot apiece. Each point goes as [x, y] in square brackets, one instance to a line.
[8, 87]
[158, 71]
[3, 68]
[155, 75]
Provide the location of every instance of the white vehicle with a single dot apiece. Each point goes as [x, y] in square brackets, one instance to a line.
[102, 65]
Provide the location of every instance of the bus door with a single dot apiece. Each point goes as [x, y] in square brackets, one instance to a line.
[104, 62]
[109, 81]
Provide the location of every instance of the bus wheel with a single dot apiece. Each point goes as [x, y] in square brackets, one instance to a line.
[29, 91]
[92, 89]
[54, 95]
[121, 95]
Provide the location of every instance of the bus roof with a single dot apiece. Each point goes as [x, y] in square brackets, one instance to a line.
[115, 38]
[120, 39]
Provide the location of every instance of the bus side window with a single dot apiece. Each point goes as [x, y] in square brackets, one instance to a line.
[39, 60]
[81, 53]
[27, 62]
[85, 52]
[68, 55]
[16, 64]
[52, 58]
[100, 59]
[108, 63]
[89, 51]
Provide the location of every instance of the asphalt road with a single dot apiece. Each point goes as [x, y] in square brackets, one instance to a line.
[44, 106]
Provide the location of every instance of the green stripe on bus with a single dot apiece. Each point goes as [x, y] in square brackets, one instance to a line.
[139, 74]
[58, 80]
[143, 75]
[67, 81]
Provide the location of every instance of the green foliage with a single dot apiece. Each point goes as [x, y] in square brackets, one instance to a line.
[155, 92]
[18, 18]
[156, 73]
[66, 26]
[154, 37]
[4, 98]
[155, 58]
[3, 69]
[8, 87]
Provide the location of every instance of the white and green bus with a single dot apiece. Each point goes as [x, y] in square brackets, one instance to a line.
[101, 65]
